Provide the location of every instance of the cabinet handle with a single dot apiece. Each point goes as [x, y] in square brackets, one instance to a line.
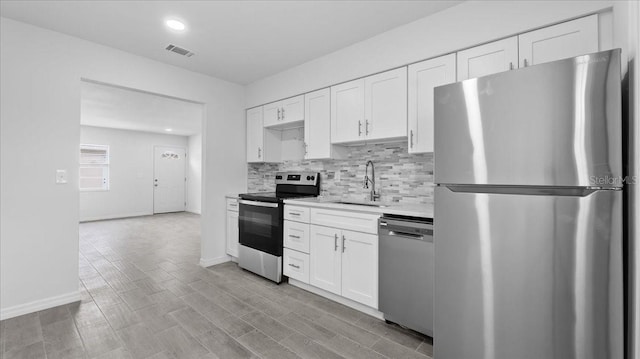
[305, 148]
[294, 213]
[411, 139]
[292, 236]
[335, 242]
[282, 111]
[511, 66]
[278, 114]
[343, 247]
[366, 127]
[359, 128]
[526, 63]
[294, 266]
[259, 152]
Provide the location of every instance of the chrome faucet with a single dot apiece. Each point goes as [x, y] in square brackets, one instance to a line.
[374, 195]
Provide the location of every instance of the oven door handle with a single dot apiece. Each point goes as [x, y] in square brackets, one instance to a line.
[259, 204]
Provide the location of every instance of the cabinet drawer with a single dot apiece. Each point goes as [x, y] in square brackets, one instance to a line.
[295, 213]
[354, 221]
[296, 265]
[232, 204]
[296, 236]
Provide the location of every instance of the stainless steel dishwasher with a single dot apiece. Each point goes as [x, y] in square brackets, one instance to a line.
[406, 271]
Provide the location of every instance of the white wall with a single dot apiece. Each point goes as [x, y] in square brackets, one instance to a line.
[462, 26]
[130, 172]
[194, 174]
[40, 132]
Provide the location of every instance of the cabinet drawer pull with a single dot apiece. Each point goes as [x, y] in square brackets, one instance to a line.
[294, 213]
[292, 236]
[294, 266]
[335, 243]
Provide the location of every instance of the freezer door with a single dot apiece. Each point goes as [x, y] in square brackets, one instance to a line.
[519, 276]
[554, 124]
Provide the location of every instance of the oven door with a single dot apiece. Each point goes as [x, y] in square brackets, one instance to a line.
[260, 226]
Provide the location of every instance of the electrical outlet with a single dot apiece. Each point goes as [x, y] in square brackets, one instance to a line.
[61, 176]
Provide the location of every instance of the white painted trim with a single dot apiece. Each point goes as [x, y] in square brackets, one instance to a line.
[339, 299]
[38, 305]
[208, 262]
[193, 211]
[104, 218]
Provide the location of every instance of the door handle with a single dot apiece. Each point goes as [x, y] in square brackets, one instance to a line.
[343, 247]
[335, 242]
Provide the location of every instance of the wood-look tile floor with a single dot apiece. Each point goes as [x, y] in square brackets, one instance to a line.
[145, 296]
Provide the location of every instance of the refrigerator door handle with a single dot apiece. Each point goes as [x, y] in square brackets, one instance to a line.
[529, 190]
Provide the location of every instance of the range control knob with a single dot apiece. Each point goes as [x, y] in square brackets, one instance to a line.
[313, 177]
[308, 178]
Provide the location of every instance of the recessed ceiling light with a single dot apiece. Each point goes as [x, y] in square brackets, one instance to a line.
[168, 129]
[175, 24]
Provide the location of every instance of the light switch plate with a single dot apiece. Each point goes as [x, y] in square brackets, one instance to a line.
[61, 176]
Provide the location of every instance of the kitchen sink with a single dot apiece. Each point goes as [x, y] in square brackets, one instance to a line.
[370, 204]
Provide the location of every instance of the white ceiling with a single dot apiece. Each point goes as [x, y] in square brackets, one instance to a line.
[239, 41]
[115, 107]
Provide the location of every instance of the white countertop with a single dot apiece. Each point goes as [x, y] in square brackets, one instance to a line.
[232, 196]
[424, 210]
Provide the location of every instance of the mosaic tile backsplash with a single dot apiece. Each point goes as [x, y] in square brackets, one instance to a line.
[400, 176]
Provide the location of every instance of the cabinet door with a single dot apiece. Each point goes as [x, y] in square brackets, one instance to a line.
[423, 77]
[317, 124]
[347, 111]
[255, 135]
[385, 112]
[325, 258]
[360, 267]
[272, 113]
[292, 109]
[487, 59]
[569, 39]
[232, 233]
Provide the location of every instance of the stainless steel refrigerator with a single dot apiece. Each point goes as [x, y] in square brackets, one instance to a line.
[528, 213]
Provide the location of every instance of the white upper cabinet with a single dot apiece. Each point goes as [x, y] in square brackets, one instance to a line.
[317, 124]
[385, 99]
[347, 111]
[569, 39]
[255, 135]
[423, 77]
[487, 59]
[372, 108]
[285, 112]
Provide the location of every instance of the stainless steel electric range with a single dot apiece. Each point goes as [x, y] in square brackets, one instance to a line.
[261, 222]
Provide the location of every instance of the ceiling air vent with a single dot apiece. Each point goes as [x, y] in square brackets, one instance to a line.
[179, 50]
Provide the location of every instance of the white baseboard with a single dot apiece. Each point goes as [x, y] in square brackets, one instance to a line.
[38, 305]
[336, 298]
[208, 262]
[194, 210]
[128, 215]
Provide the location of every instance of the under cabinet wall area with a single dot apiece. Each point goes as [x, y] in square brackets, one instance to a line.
[397, 105]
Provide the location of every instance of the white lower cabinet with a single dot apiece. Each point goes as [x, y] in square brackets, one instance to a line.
[325, 256]
[233, 231]
[345, 263]
[360, 267]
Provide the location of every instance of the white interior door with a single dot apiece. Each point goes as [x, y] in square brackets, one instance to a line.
[169, 179]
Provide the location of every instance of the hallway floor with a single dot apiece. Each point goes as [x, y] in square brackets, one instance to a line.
[145, 296]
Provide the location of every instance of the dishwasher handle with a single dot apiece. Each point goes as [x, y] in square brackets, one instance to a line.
[413, 236]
